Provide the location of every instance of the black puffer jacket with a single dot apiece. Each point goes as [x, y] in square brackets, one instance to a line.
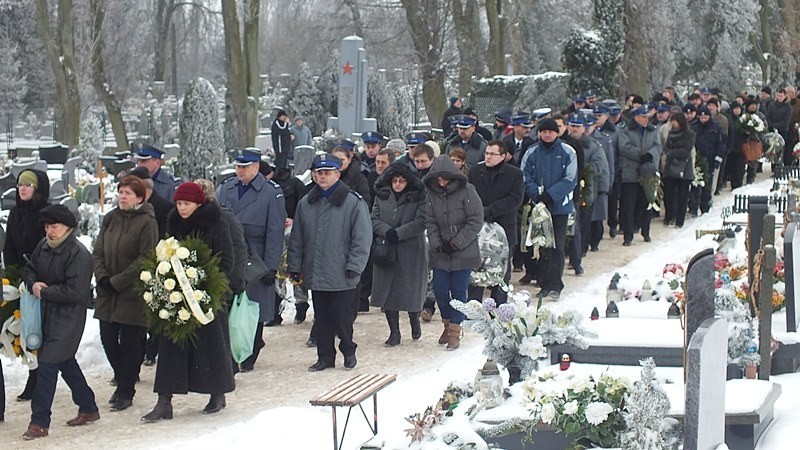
[24, 230]
[678, 162]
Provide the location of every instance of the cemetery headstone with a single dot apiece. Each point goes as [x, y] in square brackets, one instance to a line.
[699, 291]
[303, 156]
[765, 311]
[756, 211]
[791, 251]
[704, 420]
[352, 106]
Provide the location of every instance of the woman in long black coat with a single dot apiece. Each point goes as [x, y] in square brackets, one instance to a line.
[203, 366]
[23, 232]
[398, 216]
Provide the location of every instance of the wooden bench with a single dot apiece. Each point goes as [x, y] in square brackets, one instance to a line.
[351, 393]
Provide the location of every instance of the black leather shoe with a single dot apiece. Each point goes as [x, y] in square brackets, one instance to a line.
[349, 361]
[311, 342]
[215, 404]
[114, 398]
[647, 239]
[579, 271]
[626, 244]
[122, 404]
[300, 312]
[149, 362]
[612, 233]
[244, 368]
[319, 365]
[526, 279]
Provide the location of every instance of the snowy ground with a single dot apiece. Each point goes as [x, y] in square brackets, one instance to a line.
[270, 409]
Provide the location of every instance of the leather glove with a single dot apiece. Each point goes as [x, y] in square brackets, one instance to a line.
[351, 273]
[448, 248]
[547, 200]
[391, 236]
[269, 277]
[105, 284]
[295, 276]
[646, 158]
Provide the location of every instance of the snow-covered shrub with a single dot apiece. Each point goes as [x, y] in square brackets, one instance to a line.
[200, 131]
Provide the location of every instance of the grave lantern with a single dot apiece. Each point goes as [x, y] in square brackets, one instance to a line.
[647, 292]
[613, 295]
[489, 384]
[674, 311]
[566, 360]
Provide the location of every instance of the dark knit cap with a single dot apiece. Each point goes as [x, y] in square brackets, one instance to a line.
[140, 172]
[548, 124]
[58, 214]
[190, 192]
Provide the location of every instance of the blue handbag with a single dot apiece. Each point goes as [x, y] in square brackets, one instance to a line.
[31, 314]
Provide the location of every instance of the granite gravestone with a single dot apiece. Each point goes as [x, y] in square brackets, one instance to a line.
[303, 156]
[704, 420]
[791, 251]
[756, 210]
[765, 308]
[352, 104]
[699, 293]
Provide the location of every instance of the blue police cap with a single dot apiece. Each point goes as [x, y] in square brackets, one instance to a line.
[504, 115]
[347, 144]
[615, 110]
[147, 151]
[589, 120]
[326, 161]
[650, 105]
[662, 107]
[705, 90]
[640, 111]
[246, 156]
[371, 137]
[522, 120]
[415, 138]
[579, 99]
[462, 121]
[590, 94]
[576, 119]
[600, 109]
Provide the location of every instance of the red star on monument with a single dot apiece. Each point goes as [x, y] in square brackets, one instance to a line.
[348, 68]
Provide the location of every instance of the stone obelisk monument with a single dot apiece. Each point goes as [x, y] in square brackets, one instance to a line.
[353, 76]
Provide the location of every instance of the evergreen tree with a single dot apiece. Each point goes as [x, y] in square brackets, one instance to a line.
[91, 141]
[646, 407]
[13, 86]
[200, 131]
[390, 104]
[305, 100]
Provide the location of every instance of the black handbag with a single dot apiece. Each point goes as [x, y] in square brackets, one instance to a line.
[256, 268]
[384, 253]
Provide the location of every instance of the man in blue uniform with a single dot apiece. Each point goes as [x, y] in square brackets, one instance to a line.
[164, 183]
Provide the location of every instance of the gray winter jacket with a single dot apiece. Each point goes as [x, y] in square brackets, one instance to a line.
[454, 217]
[302, 135]
[330, 237]
[633, 142]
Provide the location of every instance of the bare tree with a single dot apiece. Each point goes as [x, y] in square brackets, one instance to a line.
[497, 31]
[762, 45]
[60, 48]
[101, 85]
[242, 69]
[468, 40]
[358, 25]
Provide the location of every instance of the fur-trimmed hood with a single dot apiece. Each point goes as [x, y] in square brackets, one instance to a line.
[383, 186]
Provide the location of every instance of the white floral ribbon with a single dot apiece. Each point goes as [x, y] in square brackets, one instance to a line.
[188, 292]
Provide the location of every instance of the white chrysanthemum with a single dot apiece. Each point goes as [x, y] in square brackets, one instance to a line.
[571, 407]
[145, 276]
[191, 272]
[530, 391]
[169, 283]
[163, 267]
[532, 347]
[175, 297]
[548, 413]
[580, 384]
[597, 412]
[163, 314]
[184, 315]
[198, 295]
[148, 297]
[182, 253]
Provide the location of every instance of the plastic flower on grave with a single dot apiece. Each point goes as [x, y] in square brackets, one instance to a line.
[777, 300]
[506, 312]
[532, 347]
[675, 269]
[571, 407]
[548, 413]
[489, 305]
[736, 273]
[778, 272]
[530, 391]
[718, 283]
[597, 412]
[721, 262]
[580, 384]
[725, 278]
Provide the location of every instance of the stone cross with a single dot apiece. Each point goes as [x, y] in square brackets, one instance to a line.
[765, 310]
[352, 105]
[704, 419]
[791, 250]
[700, 295]
[756, 210]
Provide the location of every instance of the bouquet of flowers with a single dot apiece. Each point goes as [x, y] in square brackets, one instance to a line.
[182, 285]
[652, 191]
[493, 246]
[540, 230]
[517, 332]
[752, 124]
[11, 344]
[588, 409]
[700, 169]
[775, 144]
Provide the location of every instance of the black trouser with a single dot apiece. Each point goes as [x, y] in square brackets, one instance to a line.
[736, 168]
[595, 233]
[123, 346]
[2, 395]
[551, 260]
[574, 245]
[258, 344]
[151, 347]
[700, 197]
[45, 390]
[613, 202]
[633, 209]
[676, 198]
[430, 300]
[498, 294]
[586, 231]
[334, 316]
[365, 286]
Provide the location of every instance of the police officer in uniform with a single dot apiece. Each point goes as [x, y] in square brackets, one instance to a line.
[372, 145]
[152, 158]
[468, 139]
[258, 204]
[412, 141]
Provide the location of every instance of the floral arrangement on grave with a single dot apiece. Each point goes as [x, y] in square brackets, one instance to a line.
[653, 191]
[11, 344]
[493, 246]
[540, 230]
[742, 328]
[516, 333]
[582, 407]
[646, 408]
[774, 146]
[422, 424]
[182, 285]
[752, 124]
[700, 170]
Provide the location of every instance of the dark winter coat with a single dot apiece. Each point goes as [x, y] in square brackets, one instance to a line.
[447, 128]
[779, 115]
[678, 163]
[165, 184]
[401, 287]
[601, 177]
[517, 153]
[161, 209]
[24, 229]
[67, 271]
[453, 216]
[475, 148]
[553, 170]
[202, 366]
[633, 142]
[237, 275]
[709, 142]
[262, 213]
[126, 236]
[501, 190]
[281, 137]
[356, 180]
[330, 237]
[737, 136]
[293, 189]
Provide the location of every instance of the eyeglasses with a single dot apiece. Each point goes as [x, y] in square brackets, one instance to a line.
[27, 185]
[493, 154]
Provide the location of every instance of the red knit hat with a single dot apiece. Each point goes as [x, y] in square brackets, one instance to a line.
[190, 192]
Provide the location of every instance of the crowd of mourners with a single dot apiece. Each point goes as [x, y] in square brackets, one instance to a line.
[394, 227]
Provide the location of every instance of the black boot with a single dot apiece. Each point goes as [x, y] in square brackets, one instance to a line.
[393, 318]
[248, 364]
[416, 330]
[278, 319]
[162, 410]
[215, 404]
[30, 386]
[300, 312]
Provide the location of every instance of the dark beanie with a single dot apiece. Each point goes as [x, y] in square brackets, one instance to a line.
[190, 192]
[140, 172]
[766, 90]
[58, 214]
[548, 124]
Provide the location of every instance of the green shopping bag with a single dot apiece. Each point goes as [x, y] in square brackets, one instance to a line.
[242, 323]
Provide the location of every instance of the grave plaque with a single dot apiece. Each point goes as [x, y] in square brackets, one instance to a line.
[704, 420]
